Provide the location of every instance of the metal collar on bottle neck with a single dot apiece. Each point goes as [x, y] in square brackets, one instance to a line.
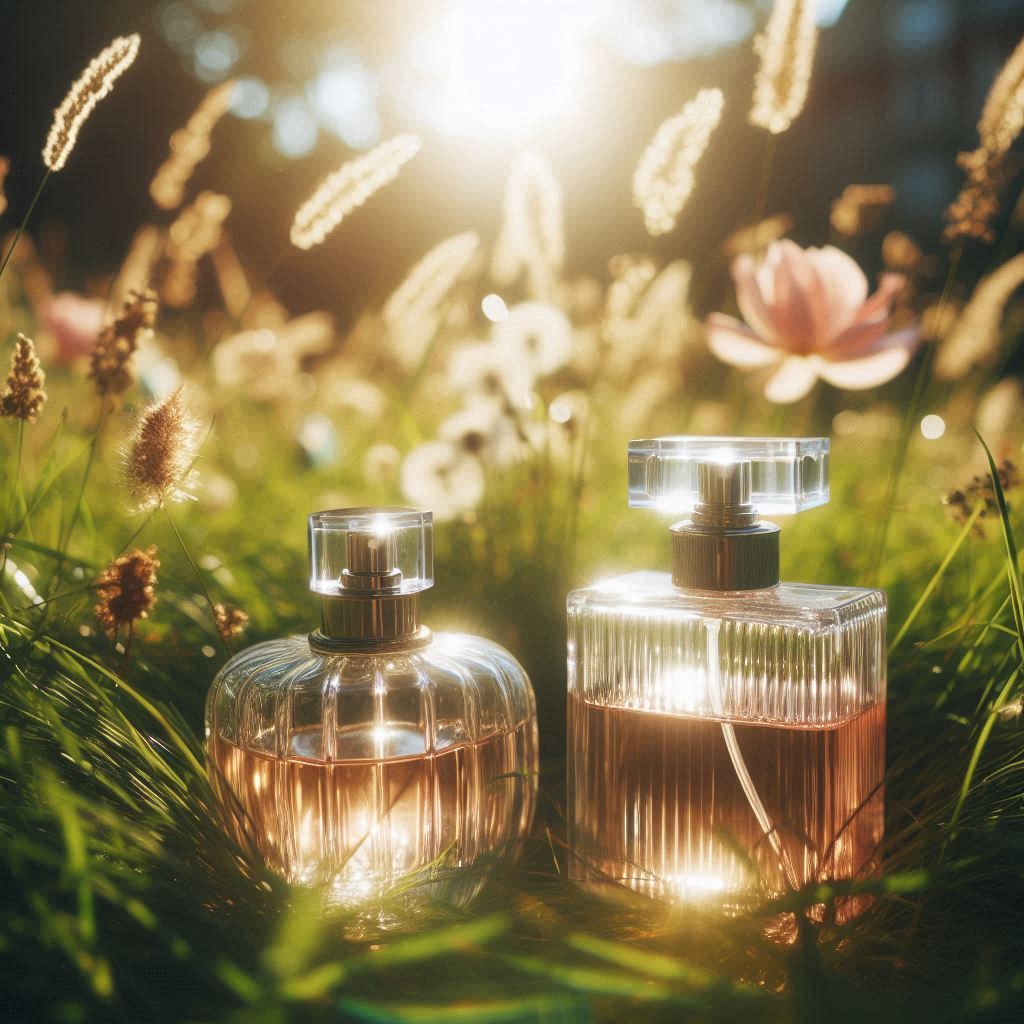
[724, 545]
[369, 613]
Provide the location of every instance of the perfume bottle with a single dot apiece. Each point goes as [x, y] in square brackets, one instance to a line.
[726, 730]
[373, 758]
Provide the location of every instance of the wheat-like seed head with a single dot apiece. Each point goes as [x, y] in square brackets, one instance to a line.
[664, 177]
[110, 364]
[160, 453]
[349, 187]
[91, 86]
[432, 278]
[786, 49]
[24, 397]
[1002, 117]
[189, 146]
[197, 230]
[532, 236]
[974, 339]
[860, 208]
[126, 589]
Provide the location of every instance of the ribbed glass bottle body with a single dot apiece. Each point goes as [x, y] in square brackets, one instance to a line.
[369, 774]
[723, 745]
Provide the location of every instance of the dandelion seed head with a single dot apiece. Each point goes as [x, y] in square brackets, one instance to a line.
[92, 85]
[160, 453]
[349, 187]
[664, 177]
[484, 372]
[786, 49]
[126, 590]
[436, 475]
[537, 335]
[381, 463]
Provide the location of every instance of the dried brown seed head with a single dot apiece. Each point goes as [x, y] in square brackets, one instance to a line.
[126, 590]
[24, 395]
[230, 621]
[110, 364]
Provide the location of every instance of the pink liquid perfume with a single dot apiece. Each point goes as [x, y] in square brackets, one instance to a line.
[726, 730]
[373, 759]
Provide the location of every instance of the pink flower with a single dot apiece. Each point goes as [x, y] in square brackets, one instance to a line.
[75, 323]
[808, 311]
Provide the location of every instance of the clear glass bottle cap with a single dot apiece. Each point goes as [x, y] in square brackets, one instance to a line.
[371, 551]
[786, 474]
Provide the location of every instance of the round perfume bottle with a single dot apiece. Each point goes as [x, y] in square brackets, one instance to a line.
[375, 759]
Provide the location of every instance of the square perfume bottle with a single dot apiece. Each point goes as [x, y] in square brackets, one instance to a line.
[726, 730]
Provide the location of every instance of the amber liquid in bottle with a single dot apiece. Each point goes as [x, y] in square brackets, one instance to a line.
[658, 804]
[357, 824]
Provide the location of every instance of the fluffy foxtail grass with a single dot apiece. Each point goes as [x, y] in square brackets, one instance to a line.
[532, 236]
[159, 456]
[1002, 116]
[86, 91]
[189, 147]
[971, 214]
[786, 49]
[348, 188]
[428, 283]
[975, 338]
[664, 177]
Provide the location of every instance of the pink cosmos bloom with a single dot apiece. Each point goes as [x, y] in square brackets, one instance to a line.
[808, 311]
[75, 323]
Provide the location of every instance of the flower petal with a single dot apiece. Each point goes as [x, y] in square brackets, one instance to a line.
[792, 380]
[844, 289]
[880, 304]
[755, 306]
[869, 372]
[868, 339]
[736, 344]
[798, 300]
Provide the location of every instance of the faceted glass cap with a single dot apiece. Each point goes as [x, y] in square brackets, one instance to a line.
[357, 552]
[786, 474]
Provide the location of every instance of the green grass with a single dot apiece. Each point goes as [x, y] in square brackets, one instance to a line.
[124, 899]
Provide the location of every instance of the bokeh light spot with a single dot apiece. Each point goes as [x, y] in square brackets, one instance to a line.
[933, 427]
[295, 129]
[251, 98]
[494, 308]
